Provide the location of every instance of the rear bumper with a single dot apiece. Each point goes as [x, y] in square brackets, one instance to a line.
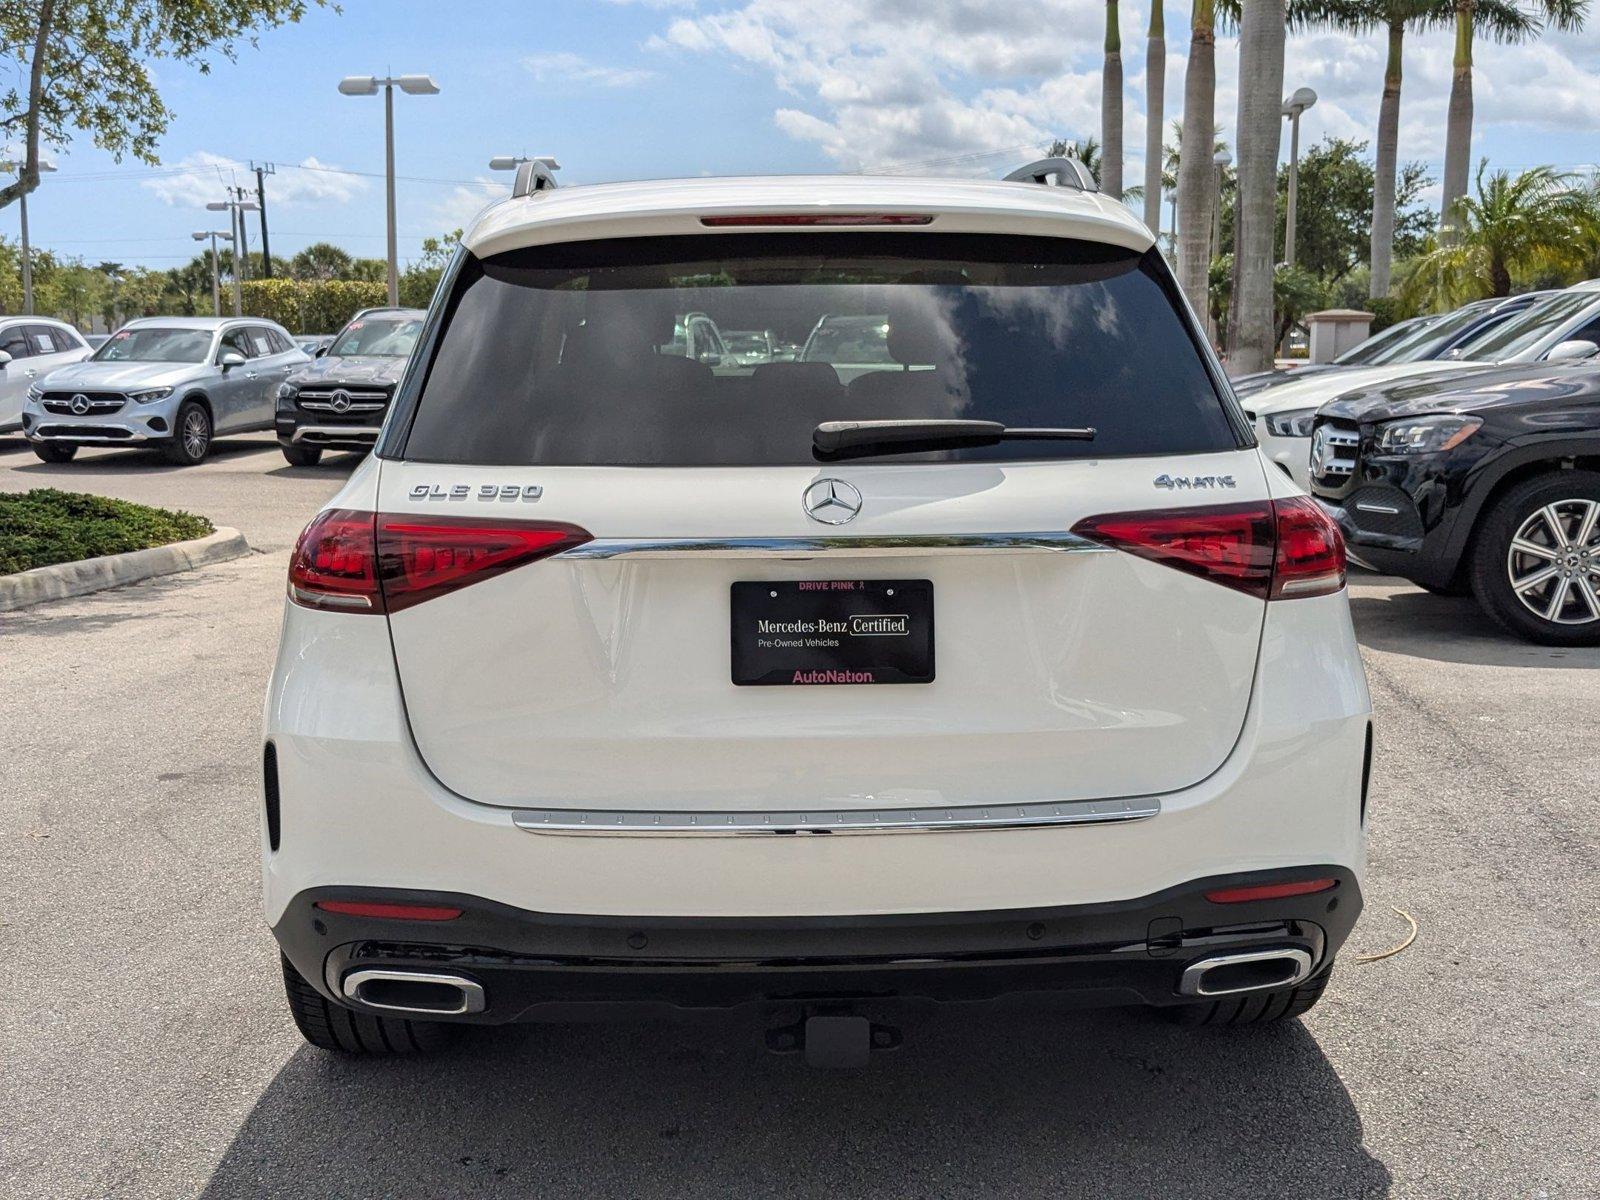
[533, 965]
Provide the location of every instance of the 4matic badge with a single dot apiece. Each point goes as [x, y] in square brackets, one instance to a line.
[484, 491]
[1197, 482]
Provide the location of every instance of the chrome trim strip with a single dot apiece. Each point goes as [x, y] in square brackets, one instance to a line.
[472, 998]
[1379, 508]
[1192, 982]
[832, 821]
[342, 433]
[871, 546]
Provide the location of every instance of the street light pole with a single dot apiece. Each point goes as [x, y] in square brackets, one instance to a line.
[236, 209]
[15, 168]
[368, 85]
[262, 170]
[1221, 160]
[216, 270]
[1296, 104]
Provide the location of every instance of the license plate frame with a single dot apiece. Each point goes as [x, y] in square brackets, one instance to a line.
[831, 632]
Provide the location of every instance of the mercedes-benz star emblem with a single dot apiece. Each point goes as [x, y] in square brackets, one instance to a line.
[831, 501]
[339, 401]
[1319, 450]
[79, 404]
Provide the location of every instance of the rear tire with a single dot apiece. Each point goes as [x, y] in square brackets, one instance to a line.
[300, 455]
[191, 436]
[330, 1026]
[1524, 514]
[1254, 1008]
[52, 452]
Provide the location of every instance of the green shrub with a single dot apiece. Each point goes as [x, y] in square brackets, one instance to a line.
[47, 526]
[310, 305]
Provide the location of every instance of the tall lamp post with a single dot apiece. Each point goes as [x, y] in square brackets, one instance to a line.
[368, 85]
[216, 273]
[236, 210]
[15, 168]
[1222, 160]
[1296, 104]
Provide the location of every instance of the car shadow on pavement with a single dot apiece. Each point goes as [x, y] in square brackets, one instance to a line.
[1452, 629]
[139, 461]
[331, 464]
[1001, 1100]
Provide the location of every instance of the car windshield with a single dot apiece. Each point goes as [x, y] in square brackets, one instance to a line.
[1528, 328]
[381, 337]
[1366, 352]
[565, 354]
[154, 344]
[1430, 340]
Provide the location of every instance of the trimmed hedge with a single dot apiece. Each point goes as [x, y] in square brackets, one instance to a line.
[48, 526]
[310, 306]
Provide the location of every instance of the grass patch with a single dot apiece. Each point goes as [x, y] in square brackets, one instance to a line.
[48, 526]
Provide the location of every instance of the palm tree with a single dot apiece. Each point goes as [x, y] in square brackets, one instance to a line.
[1506, 23]
[1155, 90]
[1539, 218]
[1262, 30]
[1111, 107]
[1195, 174]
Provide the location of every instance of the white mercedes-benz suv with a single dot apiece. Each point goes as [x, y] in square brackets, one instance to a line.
[985, 655]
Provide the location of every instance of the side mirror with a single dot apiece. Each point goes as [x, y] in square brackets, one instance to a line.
[230, 358]
[4, 359]
[1575, 350]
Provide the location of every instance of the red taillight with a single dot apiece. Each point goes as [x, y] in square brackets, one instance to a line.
[1274, 549]
[1269, 891]
[390, 912]
[422, 558]
[335, 563]
[359, 562]
[742, 220]
[1310, 558]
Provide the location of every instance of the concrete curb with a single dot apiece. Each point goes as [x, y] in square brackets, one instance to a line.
[63, 580]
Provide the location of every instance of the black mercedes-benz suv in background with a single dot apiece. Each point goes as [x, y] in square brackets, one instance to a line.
[338, 401]
[1486, 481]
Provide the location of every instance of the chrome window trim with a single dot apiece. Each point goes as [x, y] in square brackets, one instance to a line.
[908, 546]
[638, 823]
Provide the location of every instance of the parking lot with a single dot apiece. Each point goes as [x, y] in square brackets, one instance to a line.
[147, 1052]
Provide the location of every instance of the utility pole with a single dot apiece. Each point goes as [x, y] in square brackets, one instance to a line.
[242, 247]
[262, 170]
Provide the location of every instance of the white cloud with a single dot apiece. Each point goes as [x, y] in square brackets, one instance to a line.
[466, 201]
[565, 67]
[202, 177]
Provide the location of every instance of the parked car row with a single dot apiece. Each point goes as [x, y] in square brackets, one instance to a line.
[178, 383]
[1477, 473]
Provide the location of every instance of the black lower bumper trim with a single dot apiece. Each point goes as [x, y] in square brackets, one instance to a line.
[539, 965]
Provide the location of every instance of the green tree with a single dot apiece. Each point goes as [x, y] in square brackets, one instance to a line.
[83, 66]
[1155, 89]
[1504, 22]
[321, 260]
[1195, 176]
[1261, 47]
[1538, 219]
[420, 278]
[1333, 220]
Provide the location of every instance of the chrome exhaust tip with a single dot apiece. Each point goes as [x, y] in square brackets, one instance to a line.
[415, 993]
[1249, 971]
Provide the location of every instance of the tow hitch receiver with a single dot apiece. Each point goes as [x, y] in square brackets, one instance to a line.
[833, 1040]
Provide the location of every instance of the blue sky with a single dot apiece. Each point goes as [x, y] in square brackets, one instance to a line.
[619, 89]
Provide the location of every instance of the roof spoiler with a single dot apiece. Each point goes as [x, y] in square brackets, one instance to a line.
[535, 175]
[1063, 172]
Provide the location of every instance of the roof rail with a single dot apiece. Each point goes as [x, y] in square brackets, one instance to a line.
[1063, 172]
[535, 175]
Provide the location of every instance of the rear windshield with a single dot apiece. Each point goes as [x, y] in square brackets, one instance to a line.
[610, 353]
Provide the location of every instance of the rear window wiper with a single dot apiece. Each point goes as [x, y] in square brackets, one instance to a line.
[861, 439]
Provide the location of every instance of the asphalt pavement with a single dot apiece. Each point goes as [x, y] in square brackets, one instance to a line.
[145, 1050]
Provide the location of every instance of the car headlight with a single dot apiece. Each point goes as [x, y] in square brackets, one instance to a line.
[35, 391]
[148, 394]
[1426, 435]
[286, 391]
[1297, 422]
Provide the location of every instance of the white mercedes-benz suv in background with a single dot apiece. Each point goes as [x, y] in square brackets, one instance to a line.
[990, 656]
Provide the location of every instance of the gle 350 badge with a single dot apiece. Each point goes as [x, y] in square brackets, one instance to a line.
[484, 491]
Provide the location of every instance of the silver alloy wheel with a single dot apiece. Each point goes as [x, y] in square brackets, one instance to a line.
[1553, 563]
[195, 433]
